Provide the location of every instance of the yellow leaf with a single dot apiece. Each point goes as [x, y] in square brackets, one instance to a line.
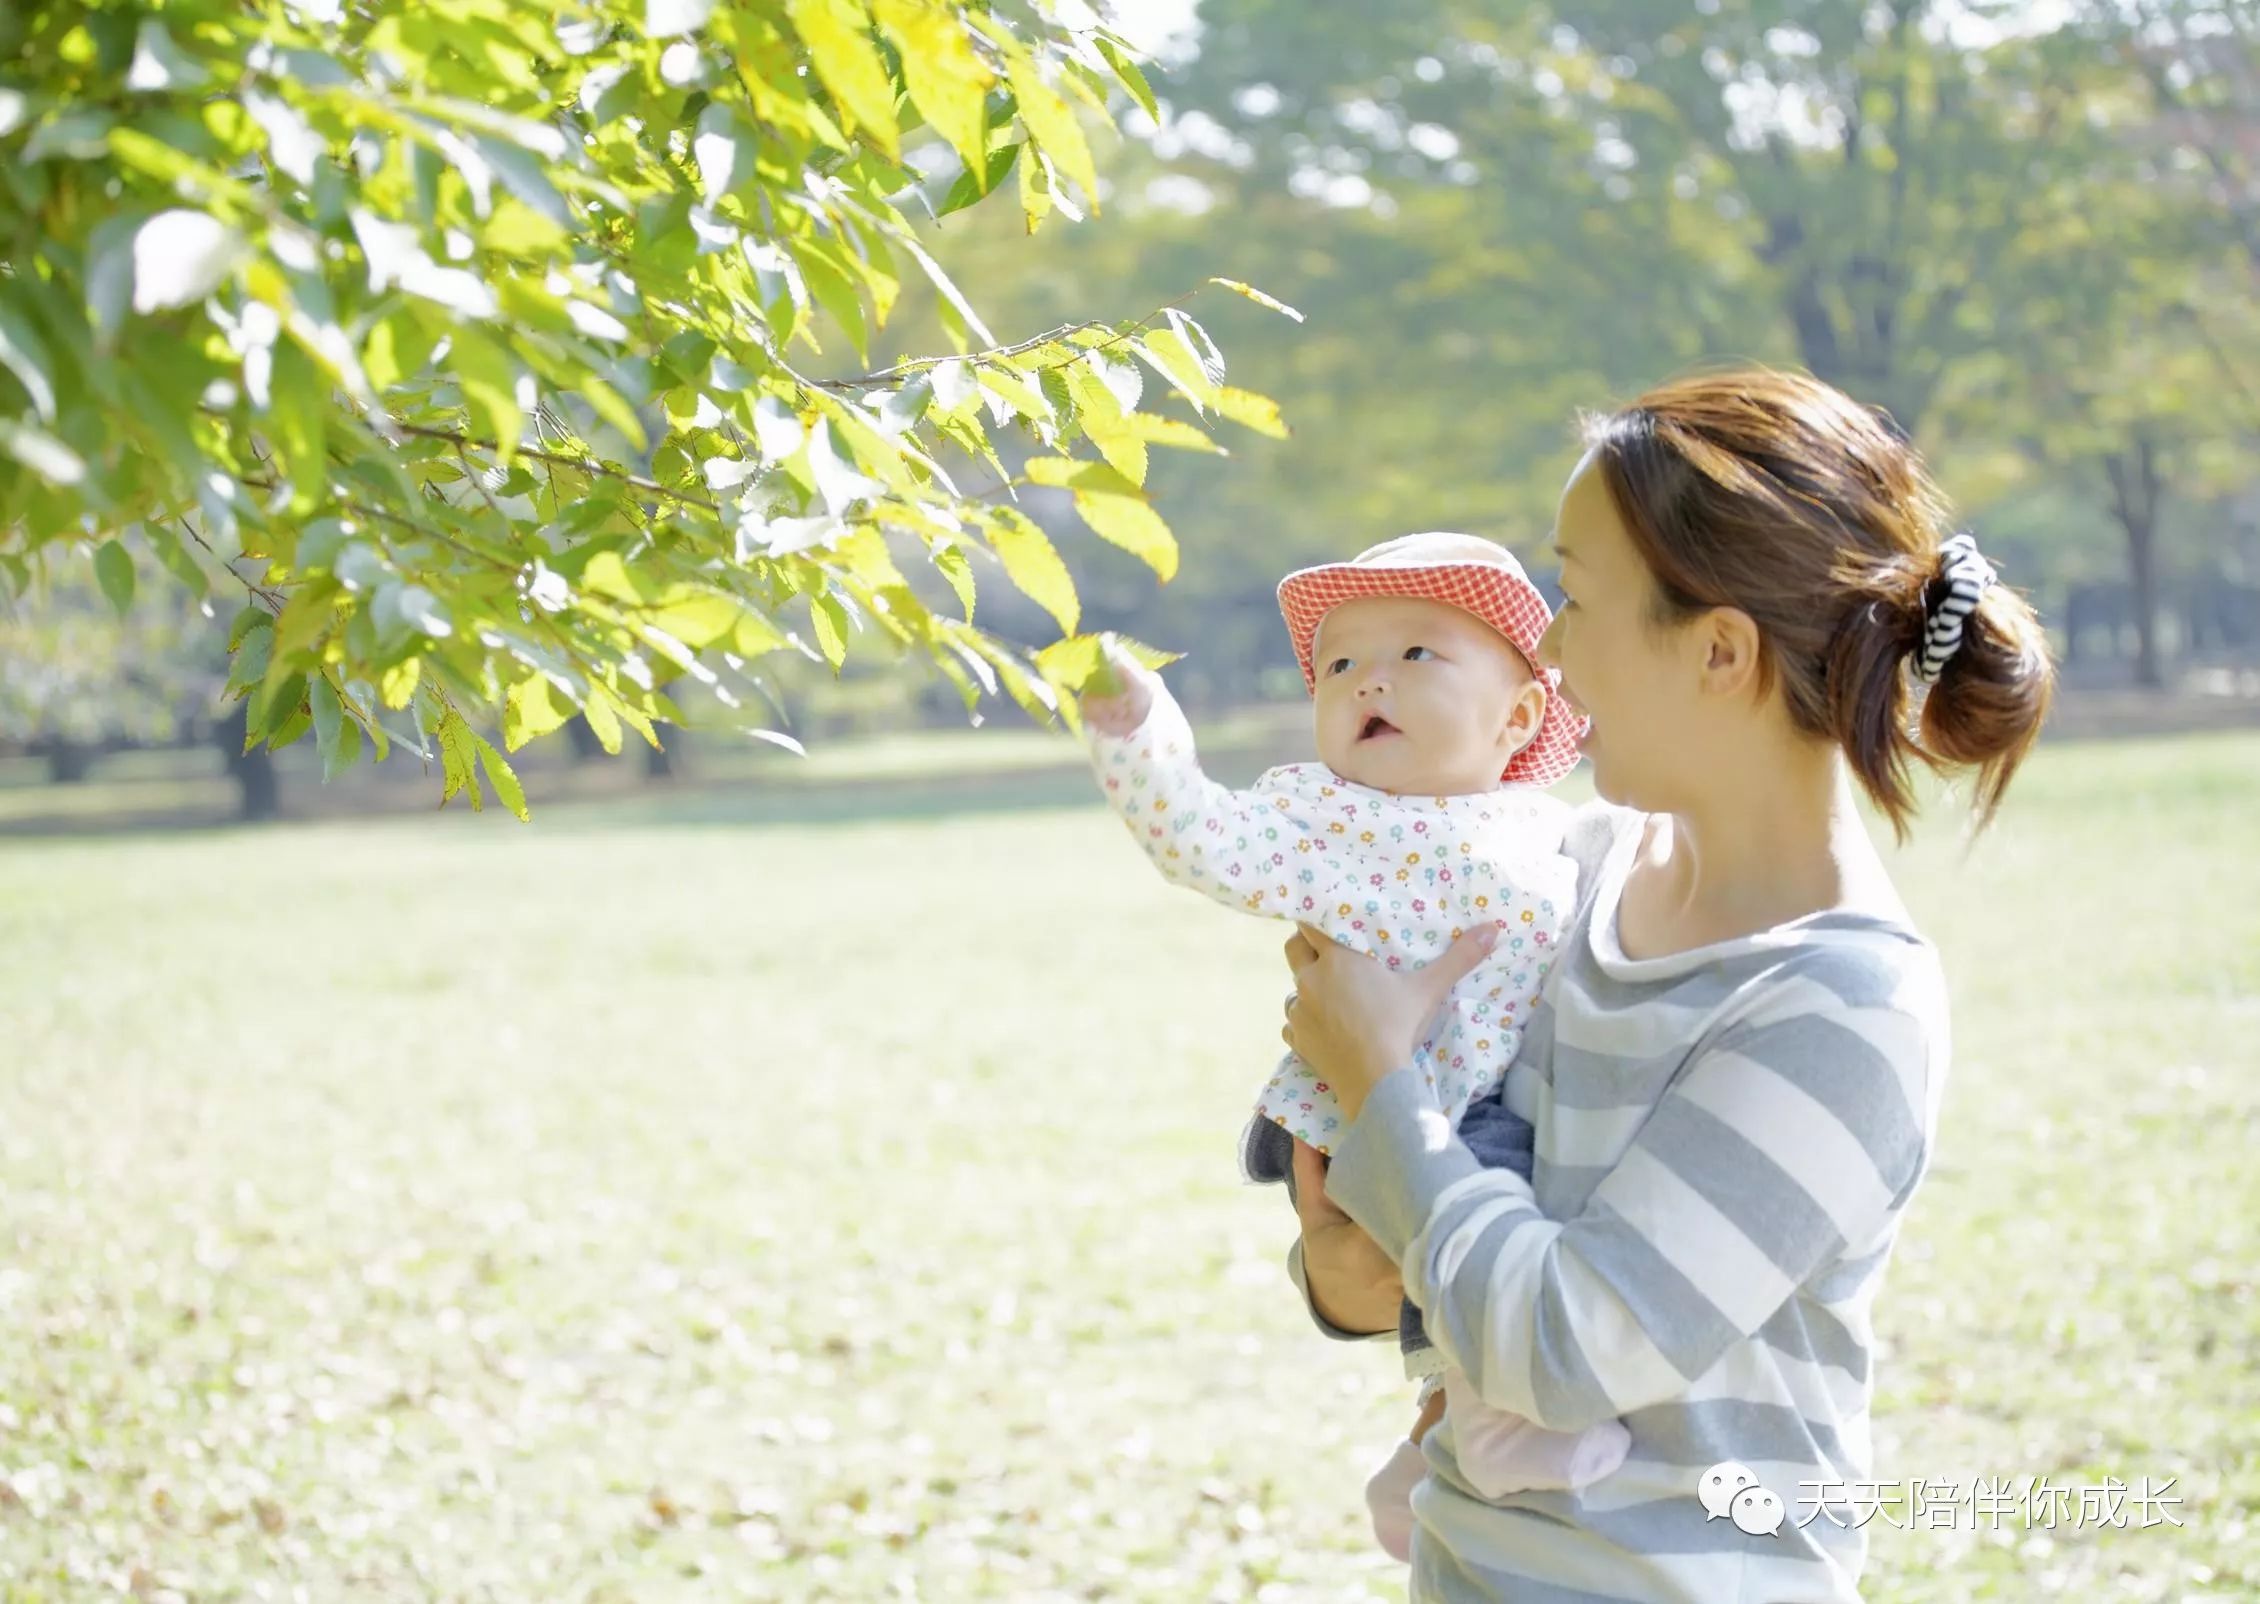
[602, 720]
[1257, 412]
[945, 78]
[606, 575]
[1050, 119]
[1130, 523]
[1177, 432]
[697, 618]
[531, 710]
[1033, 564]
[398, 683]
[503, 778]
[1257, 296]
[838, 36]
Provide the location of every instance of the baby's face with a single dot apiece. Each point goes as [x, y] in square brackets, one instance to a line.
[1418, 698]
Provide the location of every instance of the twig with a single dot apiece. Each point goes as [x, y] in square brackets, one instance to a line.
[461, 441]
[884, 376]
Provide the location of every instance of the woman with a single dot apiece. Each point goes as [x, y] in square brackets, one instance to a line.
[1735, 1067]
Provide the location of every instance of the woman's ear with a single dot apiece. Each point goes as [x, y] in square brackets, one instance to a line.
[1728, 639]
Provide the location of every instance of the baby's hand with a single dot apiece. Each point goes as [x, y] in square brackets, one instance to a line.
[1119, 696]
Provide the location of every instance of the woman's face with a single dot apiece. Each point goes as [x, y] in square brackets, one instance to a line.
[1637, 681]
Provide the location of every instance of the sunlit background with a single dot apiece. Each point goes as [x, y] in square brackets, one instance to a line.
[811, 1177]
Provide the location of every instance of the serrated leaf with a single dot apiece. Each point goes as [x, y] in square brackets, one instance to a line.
[597, 710]
[503, 778]
[946, 79]
[1169, 354]
[1050, 119]
[530, 710]
[1257, 296]
[978, 179]
[1128, 522]
[951, 564]
[1132, 78]
[1257, 412]
[1033, 564]
[838, 36]
[829, 620]
[1161, 431]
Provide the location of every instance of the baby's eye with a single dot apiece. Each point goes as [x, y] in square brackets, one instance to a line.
[1338, 665]
[1414, 654]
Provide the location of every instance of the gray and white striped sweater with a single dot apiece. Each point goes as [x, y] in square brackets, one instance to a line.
[1726, 1140]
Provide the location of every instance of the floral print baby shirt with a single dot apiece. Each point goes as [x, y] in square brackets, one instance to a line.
[1398, 877]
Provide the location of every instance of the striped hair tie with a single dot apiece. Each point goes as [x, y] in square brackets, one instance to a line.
[1967, 574]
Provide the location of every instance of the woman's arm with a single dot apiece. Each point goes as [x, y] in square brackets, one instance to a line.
[1797, 1135]
[1352, 1286]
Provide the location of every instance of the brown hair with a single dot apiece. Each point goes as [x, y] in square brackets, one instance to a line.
[1779, 495]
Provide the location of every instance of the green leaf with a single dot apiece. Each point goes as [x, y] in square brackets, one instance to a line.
[489, 381]
[305, 616]
[838, 36]
[336, 737]
[1032, 563]
[1132, 78]
[297, 721]
[979, 179]
[25, 355]
[458, 758]
[113, 567]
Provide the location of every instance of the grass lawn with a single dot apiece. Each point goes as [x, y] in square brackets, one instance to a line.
[660, 1203]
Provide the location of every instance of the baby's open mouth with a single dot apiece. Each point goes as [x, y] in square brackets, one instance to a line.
[1377, 725]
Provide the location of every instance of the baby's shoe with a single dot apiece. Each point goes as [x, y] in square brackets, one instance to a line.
[1388, 1497]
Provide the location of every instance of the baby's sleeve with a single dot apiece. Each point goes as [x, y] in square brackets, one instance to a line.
[1249, 849]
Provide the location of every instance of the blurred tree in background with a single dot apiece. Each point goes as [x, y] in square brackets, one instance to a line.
[2024, 230]
[510, 356]
[2030, 232]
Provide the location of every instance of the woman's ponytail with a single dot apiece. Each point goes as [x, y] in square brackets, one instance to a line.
[1986, 709]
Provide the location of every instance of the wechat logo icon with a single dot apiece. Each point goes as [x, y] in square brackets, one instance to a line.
[1730, 1491]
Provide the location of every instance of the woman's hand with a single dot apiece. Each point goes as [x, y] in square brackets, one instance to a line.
[1353, 1285]
[1354, 1019]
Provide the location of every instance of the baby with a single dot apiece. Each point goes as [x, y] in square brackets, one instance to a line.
[1426, 814]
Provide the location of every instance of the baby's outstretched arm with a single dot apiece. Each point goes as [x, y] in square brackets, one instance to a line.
[1245, 849]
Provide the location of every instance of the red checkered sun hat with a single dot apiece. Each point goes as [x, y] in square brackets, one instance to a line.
[1464, 571]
